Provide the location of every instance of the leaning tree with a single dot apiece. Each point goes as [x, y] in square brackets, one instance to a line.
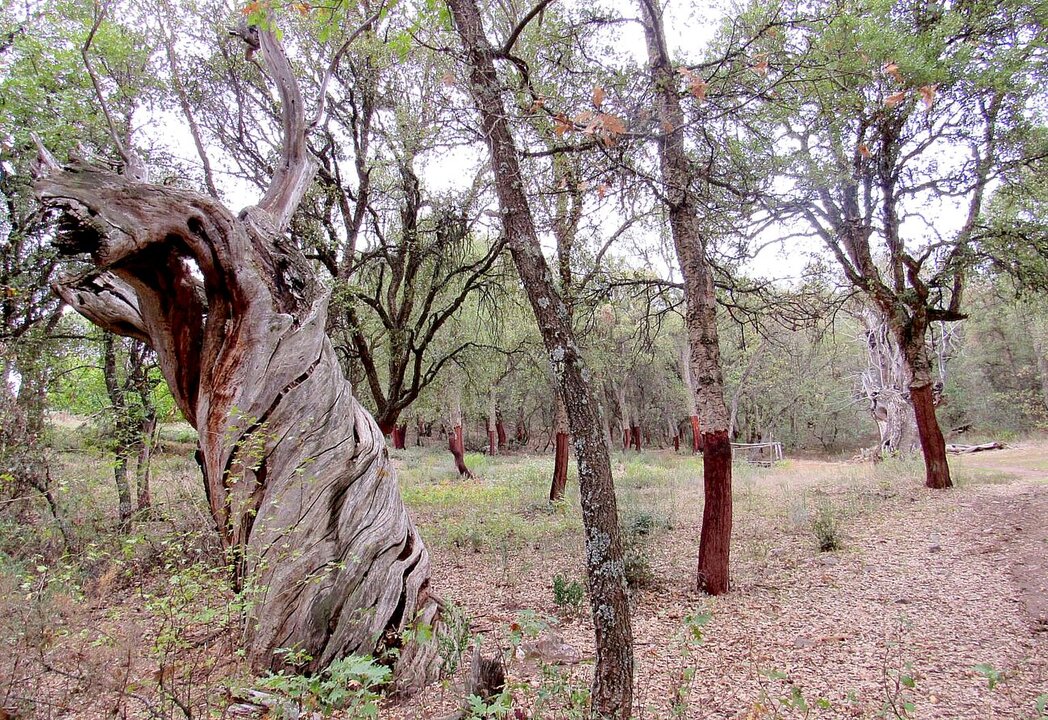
[295, 470]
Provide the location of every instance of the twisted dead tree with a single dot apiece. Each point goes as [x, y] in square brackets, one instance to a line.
[295, 470]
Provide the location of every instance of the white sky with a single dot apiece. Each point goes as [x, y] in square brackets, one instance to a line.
[690, 27]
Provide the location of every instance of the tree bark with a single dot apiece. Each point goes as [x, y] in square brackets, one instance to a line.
[678, 179]
[612, 690]
[123, 425]
[500, 431]
[492, 423]
[560, 454]
[696, 435]
[295, 470]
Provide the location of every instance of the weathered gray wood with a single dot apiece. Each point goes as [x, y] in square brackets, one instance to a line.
[296, 471]
[966, 449]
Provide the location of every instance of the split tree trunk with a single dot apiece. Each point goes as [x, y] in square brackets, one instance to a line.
[295, 470]
[456, 444]
[612, 691]
[678, 179]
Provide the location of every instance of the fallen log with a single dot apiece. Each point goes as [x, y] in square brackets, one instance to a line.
[966, 449]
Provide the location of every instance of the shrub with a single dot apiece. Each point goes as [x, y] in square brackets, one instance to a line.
[350, 684]
[568, 595]
[826, 528]
[637, 567]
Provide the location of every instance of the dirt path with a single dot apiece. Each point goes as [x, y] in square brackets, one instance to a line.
[1014, 522]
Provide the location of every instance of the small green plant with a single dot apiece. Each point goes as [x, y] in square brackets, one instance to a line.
[826, 528]
[778, 694]
[496, 707]
[560, 696]
[992, 675]
[351, 684]
[694, 632]
[568, 595]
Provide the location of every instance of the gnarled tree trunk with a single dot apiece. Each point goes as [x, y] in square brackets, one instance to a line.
[884, 386]
[296, 471]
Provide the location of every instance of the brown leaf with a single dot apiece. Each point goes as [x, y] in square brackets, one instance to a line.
[696, 84]
[893, 70]
[613, 124]
[864, 150]
[538, 104]
[697, 87]
[928, 95]
[761, 67]
[895, 98]
[448, 78]
[602, 190]
[598, 96]
[561, 124]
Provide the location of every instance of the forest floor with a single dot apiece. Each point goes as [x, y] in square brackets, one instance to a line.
[933, 605]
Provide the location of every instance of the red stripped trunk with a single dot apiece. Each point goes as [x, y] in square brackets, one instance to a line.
[696, 435]
[625, 438]
[458, 452]
[500, 431]
[676, 442]
[492, 443]
[715, 541]
[635, 437]
[560, 468]
[933, 445]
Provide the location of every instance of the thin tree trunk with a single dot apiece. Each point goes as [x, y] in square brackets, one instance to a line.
[612, 692]
[500, 431]
[696, 435]
[701, 312]
[121, 428]
[560, 454]
[492, 423]
[144, 466]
